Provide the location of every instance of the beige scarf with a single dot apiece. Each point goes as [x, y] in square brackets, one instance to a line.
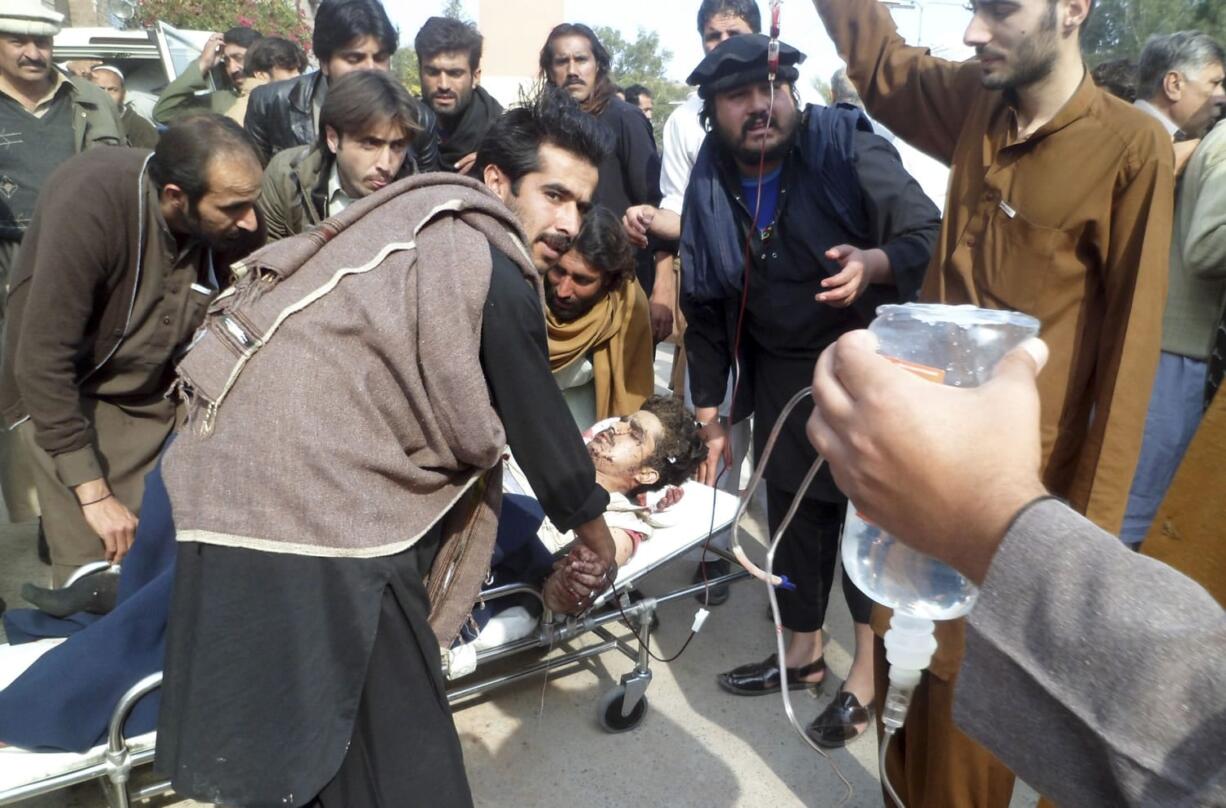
[616, 334]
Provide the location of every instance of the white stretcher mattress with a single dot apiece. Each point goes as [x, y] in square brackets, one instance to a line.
[19, 767]
[683, 527]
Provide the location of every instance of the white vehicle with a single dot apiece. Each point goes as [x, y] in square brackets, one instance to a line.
[150, 58]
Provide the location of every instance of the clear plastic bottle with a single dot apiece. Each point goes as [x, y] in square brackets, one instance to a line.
[955, 345]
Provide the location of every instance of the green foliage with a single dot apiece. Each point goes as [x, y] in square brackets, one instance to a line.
[405, 68]
[267, 16]
[1118, 28]
[644, 62]
[454, 9]
[822, 87]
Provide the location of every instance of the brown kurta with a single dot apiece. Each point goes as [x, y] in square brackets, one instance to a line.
[1187, 531]
[1071, 225]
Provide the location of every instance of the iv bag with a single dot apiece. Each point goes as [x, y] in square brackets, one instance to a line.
[955, 345]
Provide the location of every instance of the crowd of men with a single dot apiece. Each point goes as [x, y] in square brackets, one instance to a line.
[300, 294]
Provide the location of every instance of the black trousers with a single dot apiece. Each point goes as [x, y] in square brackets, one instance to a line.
[404, 750]
[808, 556]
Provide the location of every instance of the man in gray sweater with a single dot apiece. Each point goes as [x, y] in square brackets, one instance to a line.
[1083, 660]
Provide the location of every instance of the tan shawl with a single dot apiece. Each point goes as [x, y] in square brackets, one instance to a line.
[616, 334]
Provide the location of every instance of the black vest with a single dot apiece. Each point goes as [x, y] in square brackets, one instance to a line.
[30, 149]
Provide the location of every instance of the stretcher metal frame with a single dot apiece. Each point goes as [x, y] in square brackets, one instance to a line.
[622, 707]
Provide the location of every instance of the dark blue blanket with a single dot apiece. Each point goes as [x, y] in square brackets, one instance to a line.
[63, 702]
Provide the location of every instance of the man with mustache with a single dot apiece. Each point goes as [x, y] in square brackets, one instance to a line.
[366, 125]
[100, 311]
[574, 60]
[797, 224]
[1059, 205]
[191, 91]
[449, 56]
[600, 346]
[45, 117]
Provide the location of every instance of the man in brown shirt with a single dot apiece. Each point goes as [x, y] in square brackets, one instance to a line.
[1060, 204]
[126, 249]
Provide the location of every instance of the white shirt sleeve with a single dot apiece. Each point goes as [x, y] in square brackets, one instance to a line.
[683, 137]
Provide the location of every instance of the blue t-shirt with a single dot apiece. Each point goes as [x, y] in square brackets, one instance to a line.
[770, 198]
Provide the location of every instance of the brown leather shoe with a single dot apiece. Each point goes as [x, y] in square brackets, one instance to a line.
[761, 678]
[837, 725]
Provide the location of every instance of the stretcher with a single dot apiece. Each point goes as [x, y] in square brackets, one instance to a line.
[702, 512]
[25, 774]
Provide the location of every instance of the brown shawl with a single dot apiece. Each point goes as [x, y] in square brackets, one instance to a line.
[616, 334]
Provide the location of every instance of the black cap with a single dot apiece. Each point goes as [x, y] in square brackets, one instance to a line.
[742, 60]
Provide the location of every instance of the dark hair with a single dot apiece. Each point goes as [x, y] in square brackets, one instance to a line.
[271, 52]
[604, 89]
[241, 35]
[1181, 51]
[339, 22]
[445, 35]
[1118, 77]
[549, 116]
[603, 243]
[187, 147]
[358, 100]
[679, 451]
[636, 91]
[747, 10]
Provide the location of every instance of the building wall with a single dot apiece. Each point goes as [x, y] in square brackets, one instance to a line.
[514, 33]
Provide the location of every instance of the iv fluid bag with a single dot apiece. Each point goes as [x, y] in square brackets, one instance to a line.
[955, 345]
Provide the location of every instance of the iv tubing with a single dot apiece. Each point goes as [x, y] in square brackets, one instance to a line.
[773, 581]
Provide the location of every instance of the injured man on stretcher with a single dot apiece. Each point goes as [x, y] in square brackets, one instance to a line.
[648, 451]
[63, 701]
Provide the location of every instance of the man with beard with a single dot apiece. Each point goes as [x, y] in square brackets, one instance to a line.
[421, 320]
[1059, 206]
[600, 346]
[574, 60]
[449, 56]
[366, 126]
[823, 225]
[100, 310]
[191, 91]
[45, 119]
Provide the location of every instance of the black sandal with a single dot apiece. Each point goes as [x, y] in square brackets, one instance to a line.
[836, 726]
[761, 678]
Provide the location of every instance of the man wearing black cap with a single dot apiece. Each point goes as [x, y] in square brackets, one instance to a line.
[797, 223]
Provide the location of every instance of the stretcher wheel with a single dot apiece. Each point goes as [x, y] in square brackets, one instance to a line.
[610, 711]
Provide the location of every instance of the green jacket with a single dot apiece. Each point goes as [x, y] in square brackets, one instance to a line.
[95, 118]
[294, 190]
[141, 133]
[1196, 289]
[190, 93]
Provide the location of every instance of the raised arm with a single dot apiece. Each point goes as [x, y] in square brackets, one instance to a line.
[921, 98]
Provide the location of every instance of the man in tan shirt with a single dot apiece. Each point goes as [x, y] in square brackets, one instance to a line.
[1059, 205]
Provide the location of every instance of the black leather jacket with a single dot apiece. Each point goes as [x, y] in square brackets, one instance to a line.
[280, 116]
